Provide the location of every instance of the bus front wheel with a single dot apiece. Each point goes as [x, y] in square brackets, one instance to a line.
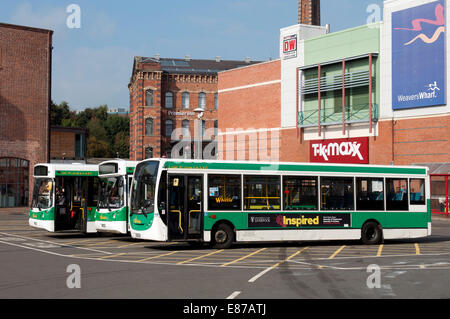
[223, 237]
[371, 233]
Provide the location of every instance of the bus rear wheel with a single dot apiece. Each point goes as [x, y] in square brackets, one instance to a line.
[371, 233]
[223, 237]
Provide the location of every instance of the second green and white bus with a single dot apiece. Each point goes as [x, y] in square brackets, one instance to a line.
[113, 202]
[222, 202]
[64, 197]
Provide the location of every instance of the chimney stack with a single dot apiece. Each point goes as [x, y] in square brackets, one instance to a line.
[309, 12]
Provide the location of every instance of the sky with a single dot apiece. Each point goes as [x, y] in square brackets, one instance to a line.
[92, 61]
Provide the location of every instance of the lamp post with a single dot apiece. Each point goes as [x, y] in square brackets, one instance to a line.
[199, 148]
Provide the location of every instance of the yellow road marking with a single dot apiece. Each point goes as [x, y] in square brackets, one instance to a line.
[200, 257]
[112, 256]
[158, 256]
[127, 245]
[336, 252]
[417, 249]
[380, 250]
[242, 258]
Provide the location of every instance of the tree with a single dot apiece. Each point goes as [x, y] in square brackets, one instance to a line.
[59, 113]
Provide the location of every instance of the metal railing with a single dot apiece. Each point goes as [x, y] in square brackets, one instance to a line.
[329, 115]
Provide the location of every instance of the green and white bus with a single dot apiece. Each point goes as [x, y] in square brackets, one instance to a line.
[64, 197]
[222, 202]
[113, 198]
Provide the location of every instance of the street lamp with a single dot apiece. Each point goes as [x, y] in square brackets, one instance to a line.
[199, 148]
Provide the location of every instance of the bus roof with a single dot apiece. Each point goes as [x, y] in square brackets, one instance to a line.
[289, 166]
[72, 169]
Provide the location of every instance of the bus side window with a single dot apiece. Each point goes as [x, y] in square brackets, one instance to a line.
[93, 191]
[369, 194]
[337, 193]
[300, 193]
[224, 192]
[262, 193]
[396, 194]
[417, 193]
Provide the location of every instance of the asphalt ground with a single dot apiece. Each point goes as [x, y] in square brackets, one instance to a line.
[38, 264]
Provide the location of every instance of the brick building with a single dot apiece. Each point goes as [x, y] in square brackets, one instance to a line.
[68, 144]
[25, 92]
[164, 93]
[344, 90]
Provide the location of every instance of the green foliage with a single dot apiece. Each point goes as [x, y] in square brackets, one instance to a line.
[108, 135]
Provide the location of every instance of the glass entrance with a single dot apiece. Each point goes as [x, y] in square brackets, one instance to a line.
[185, 197]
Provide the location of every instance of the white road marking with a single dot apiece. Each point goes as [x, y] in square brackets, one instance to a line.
[23, 239]
[234, 295]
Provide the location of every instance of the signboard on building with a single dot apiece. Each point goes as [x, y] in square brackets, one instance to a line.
[290, 47]
[419, 56]
[342, 151]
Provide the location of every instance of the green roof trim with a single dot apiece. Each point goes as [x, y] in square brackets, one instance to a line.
[296, 168]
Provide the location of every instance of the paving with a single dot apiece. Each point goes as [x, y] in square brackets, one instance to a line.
[33, 260]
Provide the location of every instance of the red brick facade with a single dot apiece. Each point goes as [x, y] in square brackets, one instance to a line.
[250, 102]
[25, 93]
[250, 125]
[192, 78]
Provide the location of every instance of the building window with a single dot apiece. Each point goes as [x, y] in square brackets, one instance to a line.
[169, 128]
[80, 146]
[14, 181]
[336, 193]
[186, 128]
[149, 152]
[216, 128]
[203, 127]
[169, 100]
[262, 193]
[185, 100]
[216, 101]
[149, 98]
[202, 100]
[148, 127]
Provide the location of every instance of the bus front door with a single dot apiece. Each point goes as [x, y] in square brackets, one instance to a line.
[185, 197]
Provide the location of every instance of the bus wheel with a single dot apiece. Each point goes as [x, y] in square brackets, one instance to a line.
[371, 233]
[223, 237]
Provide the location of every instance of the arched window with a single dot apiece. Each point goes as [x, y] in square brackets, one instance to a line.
[149, 152]
[185, 100]
[149, 98]
[14, 181]
[202, 100]
[169, 100]
[186, 129]
[169, 128]
[148, 127]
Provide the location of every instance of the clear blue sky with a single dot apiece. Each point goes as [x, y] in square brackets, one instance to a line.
[92, 65]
